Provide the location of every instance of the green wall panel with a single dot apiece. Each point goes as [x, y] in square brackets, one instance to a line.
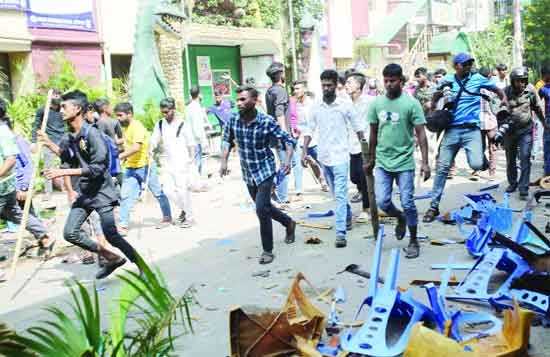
[221, 58]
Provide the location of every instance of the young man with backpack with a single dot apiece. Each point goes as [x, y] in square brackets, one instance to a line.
[172, 138]
[85, 151]
[463, 131]
[136, 161]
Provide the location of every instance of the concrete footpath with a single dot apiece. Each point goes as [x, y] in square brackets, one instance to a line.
[218, 257]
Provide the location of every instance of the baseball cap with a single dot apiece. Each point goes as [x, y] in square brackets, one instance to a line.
[462, 58]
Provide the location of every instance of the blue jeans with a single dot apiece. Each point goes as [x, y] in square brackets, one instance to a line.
[455, 139]
[132, 185]
[282, 188]
[383, 187]
[337, 180]
[546, 148]
[521, 144]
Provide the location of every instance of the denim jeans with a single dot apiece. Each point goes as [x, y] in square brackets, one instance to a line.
[337, 180]
[133, 182]
[282, 188]
[522, 144]
[383, 187]
[261, 195]
[79, 237]
[546, 148]
[10, 211]
[455, 139]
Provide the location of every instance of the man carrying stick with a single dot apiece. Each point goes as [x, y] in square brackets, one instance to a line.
[87, 154]
[393, 118]
[9, 207]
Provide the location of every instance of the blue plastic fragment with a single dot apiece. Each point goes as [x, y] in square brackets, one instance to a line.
[327, 350]
[458, 318]
[489, 188]
[328, 213]
[340, 295]
[385, 303]
[480, 202]
[475, 286]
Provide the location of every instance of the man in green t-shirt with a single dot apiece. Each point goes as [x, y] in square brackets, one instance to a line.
[394, 119]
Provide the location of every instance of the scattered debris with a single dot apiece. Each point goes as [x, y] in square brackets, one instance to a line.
[313, 240]
[442, 242]
[436, 282]
[296, 328]
[211, 308]
[387, 305]
[314, 225]
[261, 274]
[328, 213]
[270, 286]
[356, 269]
[511, 341]
[454, 266]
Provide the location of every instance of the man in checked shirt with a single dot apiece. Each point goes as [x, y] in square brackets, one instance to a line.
[253, 131]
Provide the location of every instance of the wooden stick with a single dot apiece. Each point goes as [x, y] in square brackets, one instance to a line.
[370, 190]
[30, 192]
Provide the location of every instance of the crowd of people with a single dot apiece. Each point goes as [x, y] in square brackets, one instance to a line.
[108, 158]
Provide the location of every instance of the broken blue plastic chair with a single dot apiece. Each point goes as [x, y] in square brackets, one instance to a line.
[457, 318]
[339, 297]
[477, 242]
[386, 304]
[481, 202]
[475, 286]
[531, 300]
[524, 234]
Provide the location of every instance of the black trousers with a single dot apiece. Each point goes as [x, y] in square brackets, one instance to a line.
[73, 234]
[357, 176]
[261, 194]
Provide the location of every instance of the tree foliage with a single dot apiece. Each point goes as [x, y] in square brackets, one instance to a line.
[239, 13]
[536, 23]
[494, 45]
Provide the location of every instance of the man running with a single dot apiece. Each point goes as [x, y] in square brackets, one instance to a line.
[88, 157]
[253, 131]
[135, 156]
[173, 139]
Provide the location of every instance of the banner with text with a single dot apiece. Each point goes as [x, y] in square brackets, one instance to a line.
[12, 4]
[61, 14]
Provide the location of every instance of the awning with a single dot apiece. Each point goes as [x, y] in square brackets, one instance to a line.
[253, 41]
[14, 45]
[450, 42]
[398, 18]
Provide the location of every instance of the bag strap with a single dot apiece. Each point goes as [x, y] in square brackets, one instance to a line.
[462, 86]
[179, 130]
[160, 127]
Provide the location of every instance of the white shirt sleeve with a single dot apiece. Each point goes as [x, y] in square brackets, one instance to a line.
[353, 118]
[155, 137]
[311, 123]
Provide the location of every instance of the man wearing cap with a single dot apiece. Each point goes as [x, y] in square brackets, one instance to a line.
[464, 129]
[277, 103]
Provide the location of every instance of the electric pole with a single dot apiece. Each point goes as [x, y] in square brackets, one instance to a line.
[518, 35]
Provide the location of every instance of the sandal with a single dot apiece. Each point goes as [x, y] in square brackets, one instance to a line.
[412, 251]
[46, 250]
[430, 215]
[266, 258]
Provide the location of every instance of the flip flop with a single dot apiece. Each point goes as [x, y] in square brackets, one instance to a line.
[266, 258]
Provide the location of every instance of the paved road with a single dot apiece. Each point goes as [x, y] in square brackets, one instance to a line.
[219, 256]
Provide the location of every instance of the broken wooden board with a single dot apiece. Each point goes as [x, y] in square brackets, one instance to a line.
[314, 225]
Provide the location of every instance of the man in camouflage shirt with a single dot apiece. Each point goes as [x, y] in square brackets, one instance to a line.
[523, 101]
[424, 90]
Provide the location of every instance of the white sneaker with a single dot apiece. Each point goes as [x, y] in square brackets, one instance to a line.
[363, 217]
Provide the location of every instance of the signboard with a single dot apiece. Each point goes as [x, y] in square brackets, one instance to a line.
[222, 81]
[204, 72]
[61, 14]
[12, 4]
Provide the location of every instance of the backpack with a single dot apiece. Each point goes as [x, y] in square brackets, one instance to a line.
[112, 151]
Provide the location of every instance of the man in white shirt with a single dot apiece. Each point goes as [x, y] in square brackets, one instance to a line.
[196, 117]
[173, 140]
[355, 82]
[331, 117]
